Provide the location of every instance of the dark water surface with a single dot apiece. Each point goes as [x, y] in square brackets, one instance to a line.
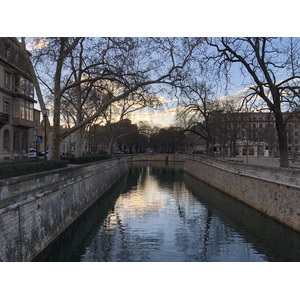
[158, 213]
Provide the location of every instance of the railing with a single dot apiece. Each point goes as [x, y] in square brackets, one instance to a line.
[23, 123]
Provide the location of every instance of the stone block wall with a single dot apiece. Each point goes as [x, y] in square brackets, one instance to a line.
[273, 191]
[35, 209]
[157, 157]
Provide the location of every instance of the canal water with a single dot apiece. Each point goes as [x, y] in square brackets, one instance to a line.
[156, 213]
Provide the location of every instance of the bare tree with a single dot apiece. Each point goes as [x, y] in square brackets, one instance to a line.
[227, 125]
[271, 64]
[196, 106]
[135, 64]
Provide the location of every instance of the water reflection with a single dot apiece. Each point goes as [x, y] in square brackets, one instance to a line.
[158, 213]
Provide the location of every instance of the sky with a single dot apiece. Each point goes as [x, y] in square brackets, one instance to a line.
[161, 18]
[161, 118]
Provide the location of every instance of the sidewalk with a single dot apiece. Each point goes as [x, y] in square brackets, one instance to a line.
[263, 161]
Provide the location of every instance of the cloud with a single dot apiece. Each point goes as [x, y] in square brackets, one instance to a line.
[160, 118]
[36, 44]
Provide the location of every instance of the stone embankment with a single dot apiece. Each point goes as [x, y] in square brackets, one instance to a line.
[273, 191]
[35, 209]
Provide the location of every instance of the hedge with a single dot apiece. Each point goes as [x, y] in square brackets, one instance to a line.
[23, 168]
[86, 158]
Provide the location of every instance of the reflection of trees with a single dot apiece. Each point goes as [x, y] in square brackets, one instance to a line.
[115, 241]
[198, 237]
[206, 235]
[165, 174]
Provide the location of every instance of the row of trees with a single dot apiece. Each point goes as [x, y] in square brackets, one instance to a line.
[90, 80]
[90, 75]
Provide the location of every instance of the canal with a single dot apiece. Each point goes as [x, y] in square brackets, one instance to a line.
[156, 213]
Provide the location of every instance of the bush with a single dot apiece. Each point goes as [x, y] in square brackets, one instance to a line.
[86, 158]
[14, 169]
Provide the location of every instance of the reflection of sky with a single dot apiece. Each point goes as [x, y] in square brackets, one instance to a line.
[166, 222]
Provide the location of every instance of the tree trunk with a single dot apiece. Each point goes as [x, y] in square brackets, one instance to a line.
[233, 146]
[283, 147]
[110, 146]
[79, 141]
[70, 145]
[56, 129]
[282, 138]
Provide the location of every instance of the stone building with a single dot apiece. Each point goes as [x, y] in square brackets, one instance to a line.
[17, 113]
[254, 133]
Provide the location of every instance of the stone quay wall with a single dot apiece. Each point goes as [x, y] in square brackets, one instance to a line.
[157, 157]
[35, 209]
[273, 191]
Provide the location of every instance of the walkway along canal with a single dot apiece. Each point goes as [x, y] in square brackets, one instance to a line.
[157, 212]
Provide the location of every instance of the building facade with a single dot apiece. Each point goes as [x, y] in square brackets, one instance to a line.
[254, 133]
[18, 123]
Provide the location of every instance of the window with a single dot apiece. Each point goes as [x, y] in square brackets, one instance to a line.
[24, 141]
[26, 109]
[6, 141]
[22, 109]
[27, 115]
[6, 107]
[16, 83]
[7, 52]
[16, 142]
[26, 86]
[16, 108]
[7, 80]
[31, 111]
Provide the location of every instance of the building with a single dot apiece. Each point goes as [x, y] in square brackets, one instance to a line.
[19, 122]
[254, 133]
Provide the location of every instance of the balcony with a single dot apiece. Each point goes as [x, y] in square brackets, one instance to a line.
[3, 118]
[23, 123]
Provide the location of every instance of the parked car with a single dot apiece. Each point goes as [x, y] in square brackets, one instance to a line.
[122, 152]
[43, 153]
[32, 153]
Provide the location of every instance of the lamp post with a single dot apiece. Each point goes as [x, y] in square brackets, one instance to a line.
[45, 115]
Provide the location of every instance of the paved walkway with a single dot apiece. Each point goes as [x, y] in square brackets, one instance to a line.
[264, 161]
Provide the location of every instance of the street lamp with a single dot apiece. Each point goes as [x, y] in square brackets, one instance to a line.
[45, 115]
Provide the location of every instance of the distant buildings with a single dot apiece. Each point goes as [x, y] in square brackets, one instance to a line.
[19, 121]
[254, 133]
